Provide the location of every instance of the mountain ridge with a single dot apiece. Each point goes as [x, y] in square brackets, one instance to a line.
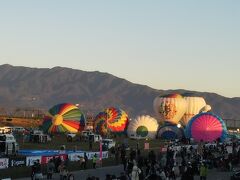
[44, 87]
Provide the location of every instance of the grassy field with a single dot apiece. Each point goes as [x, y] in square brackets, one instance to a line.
[60, 139]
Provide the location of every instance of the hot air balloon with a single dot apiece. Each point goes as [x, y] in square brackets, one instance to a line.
[100, 125]
[170, 108]
[170, 132]
[143, 127]
[64, 118]
[194, 105]
[207, 127]
[111, 120]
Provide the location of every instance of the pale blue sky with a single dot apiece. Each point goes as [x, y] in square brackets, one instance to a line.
[169, 44]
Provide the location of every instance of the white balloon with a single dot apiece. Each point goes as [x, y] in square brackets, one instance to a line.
[194, 105]
[170, 108]
[142, 127]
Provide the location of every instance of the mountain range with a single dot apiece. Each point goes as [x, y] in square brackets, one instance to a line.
[93, 91]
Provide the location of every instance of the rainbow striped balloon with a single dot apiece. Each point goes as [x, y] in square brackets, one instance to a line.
[64, 118]
[111, 120]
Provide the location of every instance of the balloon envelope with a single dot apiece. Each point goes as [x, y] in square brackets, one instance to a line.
[207, 127]
[170, 132]
[111, 120]
[194, 105]
[170, 108]
[64, 118]
[142, 127]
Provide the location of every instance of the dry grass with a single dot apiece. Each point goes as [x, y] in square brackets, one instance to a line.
[24, 122]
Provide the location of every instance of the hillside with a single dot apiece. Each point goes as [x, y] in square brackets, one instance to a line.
[22, 87]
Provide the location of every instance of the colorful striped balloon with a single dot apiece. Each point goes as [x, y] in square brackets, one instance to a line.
[64, 118]
[100, 124]
[111, 120]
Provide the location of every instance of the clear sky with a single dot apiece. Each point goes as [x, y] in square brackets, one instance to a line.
[168, 44]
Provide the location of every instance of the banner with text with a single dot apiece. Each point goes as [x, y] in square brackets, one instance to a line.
[46, 159]
[3, 163]
[17, 161]
[31, 159]
[75, 156]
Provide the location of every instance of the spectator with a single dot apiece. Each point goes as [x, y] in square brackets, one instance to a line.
[58, 162]
[135, 173]
[50, 169]
[38, 171]
[94, 160]
[85, 160]
[203, 172]
[34, 166]
[82, 162]
[64, 173]
[61, 169]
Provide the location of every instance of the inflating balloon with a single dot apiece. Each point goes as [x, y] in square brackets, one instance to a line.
[170, 108]
[64, 118]
[206, 127]
[111, 120]
[170, 132]
[142, 127]
[194, 105]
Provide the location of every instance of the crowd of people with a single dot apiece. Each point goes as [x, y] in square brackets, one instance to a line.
[177, 162]
[55, 165]
[59, 166]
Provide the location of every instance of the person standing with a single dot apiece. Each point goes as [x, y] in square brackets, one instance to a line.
[34, 166]
[203, 172]
[86, 160]
[65, 173]
[82, 161]
[38, 174]
[50, 169]
[135, 173]
[189, 172]
[61, 169]
[94, 160]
